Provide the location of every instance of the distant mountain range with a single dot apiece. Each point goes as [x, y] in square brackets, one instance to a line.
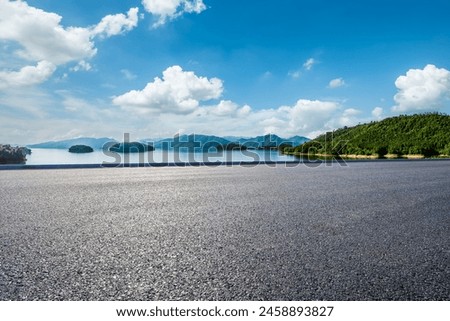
[199, 141]
[272, 140]
[95, 143]
[202, 142]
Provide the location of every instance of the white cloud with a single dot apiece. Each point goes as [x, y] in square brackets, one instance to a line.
[244, 111]
[177, 92]
[349, 117]
[117, 24]
[34, 130]
[177, 101]
[128, 74]
[41, 35]
[43, 40]
[27, 76]
[163, 8]
[31, 102]
[82, 65]
[377, 112]
[306, 117]
[349, 112]
[225, 108]
[295, 74]
[425, 89]
[170, 9]
[194, 6]
[309, 63]
[336, 83]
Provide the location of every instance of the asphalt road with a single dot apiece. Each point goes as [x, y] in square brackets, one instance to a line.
[367, 231]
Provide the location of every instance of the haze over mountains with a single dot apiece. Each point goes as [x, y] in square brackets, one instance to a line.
[266, 141]
[95, 143]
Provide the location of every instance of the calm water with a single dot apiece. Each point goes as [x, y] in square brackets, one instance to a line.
[62, 156]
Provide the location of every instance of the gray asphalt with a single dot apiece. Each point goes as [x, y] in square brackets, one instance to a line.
[367, 231]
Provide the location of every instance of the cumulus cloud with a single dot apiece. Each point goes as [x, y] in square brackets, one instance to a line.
[425, 89]
[170, 9]
[179, 100]
[27, 76]
[82, 65]
[349, 117]
[349, 112]
[377, 112]
[309, 63]
[177, 92]
[43, 40]
[182, 93]
[336, 83]
[305, 117]
[225, 108]
[41, 35]
[117, 24]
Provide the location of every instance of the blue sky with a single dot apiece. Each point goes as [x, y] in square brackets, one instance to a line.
[153, 68]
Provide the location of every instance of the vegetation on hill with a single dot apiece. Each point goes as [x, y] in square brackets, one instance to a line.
[271, 141]
[80, 149]
[424, 134]
[205, 143]
[131, 147]
[13, 155]
[193, 143]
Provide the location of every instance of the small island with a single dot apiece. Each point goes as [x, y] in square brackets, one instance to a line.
[131, 147]
[13, 155]
[81, 149]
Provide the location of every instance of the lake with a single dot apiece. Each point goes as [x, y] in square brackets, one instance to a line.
[62, 156]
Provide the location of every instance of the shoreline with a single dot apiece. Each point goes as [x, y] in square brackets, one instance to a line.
[307, 162]
[368, 157]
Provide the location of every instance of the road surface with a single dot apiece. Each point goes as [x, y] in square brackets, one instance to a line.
[366, 231]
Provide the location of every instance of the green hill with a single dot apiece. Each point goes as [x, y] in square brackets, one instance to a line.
[424, 134]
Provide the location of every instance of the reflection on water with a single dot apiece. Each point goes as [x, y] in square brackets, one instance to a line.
[62, 156]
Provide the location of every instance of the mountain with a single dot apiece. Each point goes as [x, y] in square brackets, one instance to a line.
[229, 142]
[298, 140]
[131, 147]
[271, 141]
[95, 143]
[424, 134]
[198, 142]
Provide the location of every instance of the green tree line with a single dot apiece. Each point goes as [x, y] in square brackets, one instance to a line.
[426, 134]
